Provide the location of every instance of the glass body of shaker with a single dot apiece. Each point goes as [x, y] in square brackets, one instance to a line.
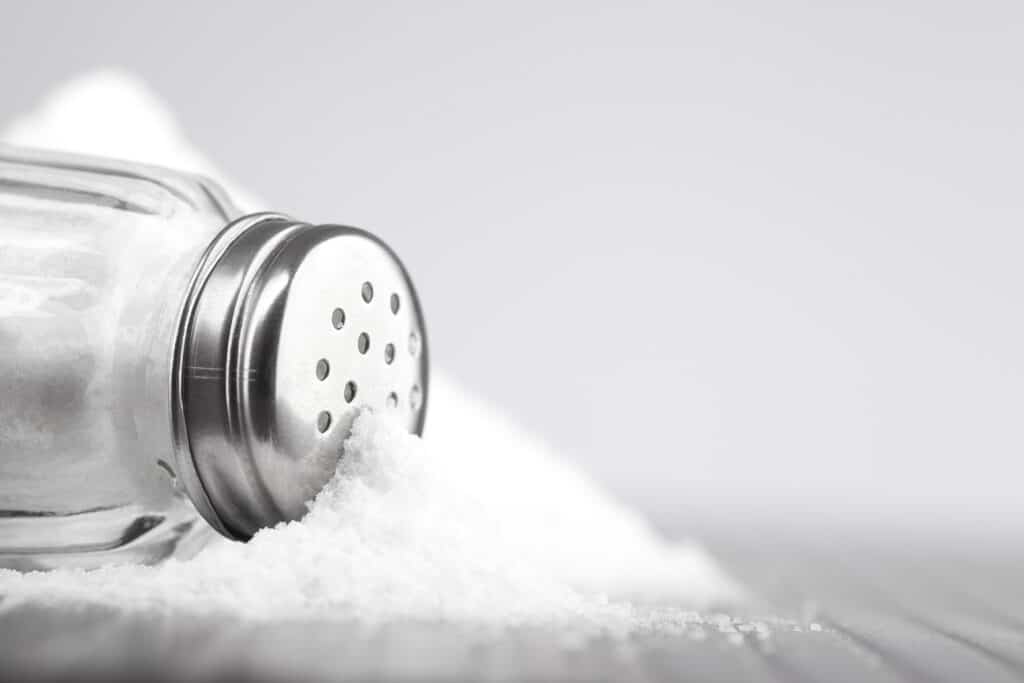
[95, 259]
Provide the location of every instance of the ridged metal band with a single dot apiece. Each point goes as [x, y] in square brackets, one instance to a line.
[186, 468]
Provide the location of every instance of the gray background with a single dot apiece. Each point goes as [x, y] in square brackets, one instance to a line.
[744, 258]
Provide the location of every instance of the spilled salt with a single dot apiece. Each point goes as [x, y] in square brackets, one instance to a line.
[476, 522]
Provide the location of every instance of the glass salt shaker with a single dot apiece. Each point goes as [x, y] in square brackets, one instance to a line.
[169, 367]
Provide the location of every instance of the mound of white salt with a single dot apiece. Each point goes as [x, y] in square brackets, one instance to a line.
[407, 531]
[477, 522]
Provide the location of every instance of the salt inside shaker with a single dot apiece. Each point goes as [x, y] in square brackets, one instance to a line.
[171, 366]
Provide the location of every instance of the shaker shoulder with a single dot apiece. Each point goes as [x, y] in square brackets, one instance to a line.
[109, 184]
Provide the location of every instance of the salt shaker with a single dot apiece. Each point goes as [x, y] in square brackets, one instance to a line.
[169, 366]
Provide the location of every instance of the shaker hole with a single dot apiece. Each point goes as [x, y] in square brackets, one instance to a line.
[364, 342]
[367, 292]
[395, 303]
[416, 397]
[392, 400]
[323, 421]
[389, 353]
[323, 368]
[350, 391]
[338, 318]
[414, 344]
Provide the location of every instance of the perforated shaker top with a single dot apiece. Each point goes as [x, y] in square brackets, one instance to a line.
[289, 330]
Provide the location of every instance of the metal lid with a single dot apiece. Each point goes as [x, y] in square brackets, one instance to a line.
[287, 330]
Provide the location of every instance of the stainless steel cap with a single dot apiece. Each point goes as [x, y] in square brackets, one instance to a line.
[287, 330]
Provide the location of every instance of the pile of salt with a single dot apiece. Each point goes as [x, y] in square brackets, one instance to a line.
[407, 531]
